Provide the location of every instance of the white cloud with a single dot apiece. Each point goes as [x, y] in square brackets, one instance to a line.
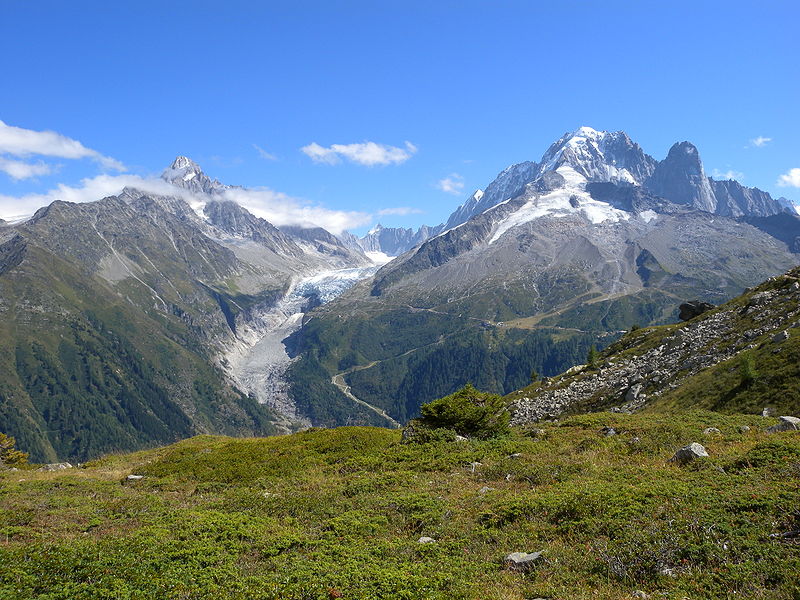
[22, 170]
[90, 189]
[264, 154]
[20, 142]
[281, 209]
[369, 154]
[729, 174]
[400, 211]
[760, 141]
[790, 179]
[452, 184]
[276, 207]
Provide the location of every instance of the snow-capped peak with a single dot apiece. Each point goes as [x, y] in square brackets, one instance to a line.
[185, 173]
[185, 163]
[599, 156]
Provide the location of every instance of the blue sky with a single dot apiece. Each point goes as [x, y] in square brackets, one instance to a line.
[448, 92]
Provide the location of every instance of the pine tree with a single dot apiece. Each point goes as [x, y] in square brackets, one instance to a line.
[9, 455]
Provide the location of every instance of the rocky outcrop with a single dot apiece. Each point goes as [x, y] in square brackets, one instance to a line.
[695, 308]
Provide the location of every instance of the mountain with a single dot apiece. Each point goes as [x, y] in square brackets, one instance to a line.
[743, 356]
[123, 318]
[555, 256]
[394, 241]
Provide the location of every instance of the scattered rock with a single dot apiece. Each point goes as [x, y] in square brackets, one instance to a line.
[461, 438]
[689, 453]
[608, 431]
[55, 467]
[743, 429]
[640, 594]
[522, 561]
[779, 337]
[633, 392]
[426, 540]
[693, 309]
[134, 477]
[408, 433]
[711, 431]
[485, 489]
[768, 412]
[475, 465]
[785, 424]
[515, 455]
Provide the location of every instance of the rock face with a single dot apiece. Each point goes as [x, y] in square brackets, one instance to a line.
[681, 179]
[689, 453]
[695, 308]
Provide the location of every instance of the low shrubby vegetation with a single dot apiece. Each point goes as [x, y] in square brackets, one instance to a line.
[339, 513]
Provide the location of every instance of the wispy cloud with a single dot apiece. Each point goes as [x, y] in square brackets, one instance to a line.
[20, 142]
[276, 207]
[452, 184]
[264, 154]
[17, 169]
[790, 179]
[369, 154]
[729, 174]
[399, 211]
[760, 141]
[90, 189]
[280, 209]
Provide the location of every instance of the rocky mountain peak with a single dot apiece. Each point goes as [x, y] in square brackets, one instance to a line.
[599, 156]
[680, 178]
[187, 174]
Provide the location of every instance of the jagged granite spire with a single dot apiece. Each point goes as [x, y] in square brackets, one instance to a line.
[187, 174]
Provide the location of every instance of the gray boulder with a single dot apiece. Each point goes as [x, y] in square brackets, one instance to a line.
[781, 336]
[711, 431]
[522, 561]
[785, 424]
[426, 540]
[689, 453]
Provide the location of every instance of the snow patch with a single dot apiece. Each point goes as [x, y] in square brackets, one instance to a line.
[569, 200]
[648, 215]
[378, 257]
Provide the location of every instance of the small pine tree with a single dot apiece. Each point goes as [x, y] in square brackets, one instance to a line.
[9, 455]
[534, 376]
[591, 358]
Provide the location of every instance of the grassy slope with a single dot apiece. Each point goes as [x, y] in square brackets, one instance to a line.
[337, 513]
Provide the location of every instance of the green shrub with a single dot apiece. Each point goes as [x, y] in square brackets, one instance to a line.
[468, 412]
